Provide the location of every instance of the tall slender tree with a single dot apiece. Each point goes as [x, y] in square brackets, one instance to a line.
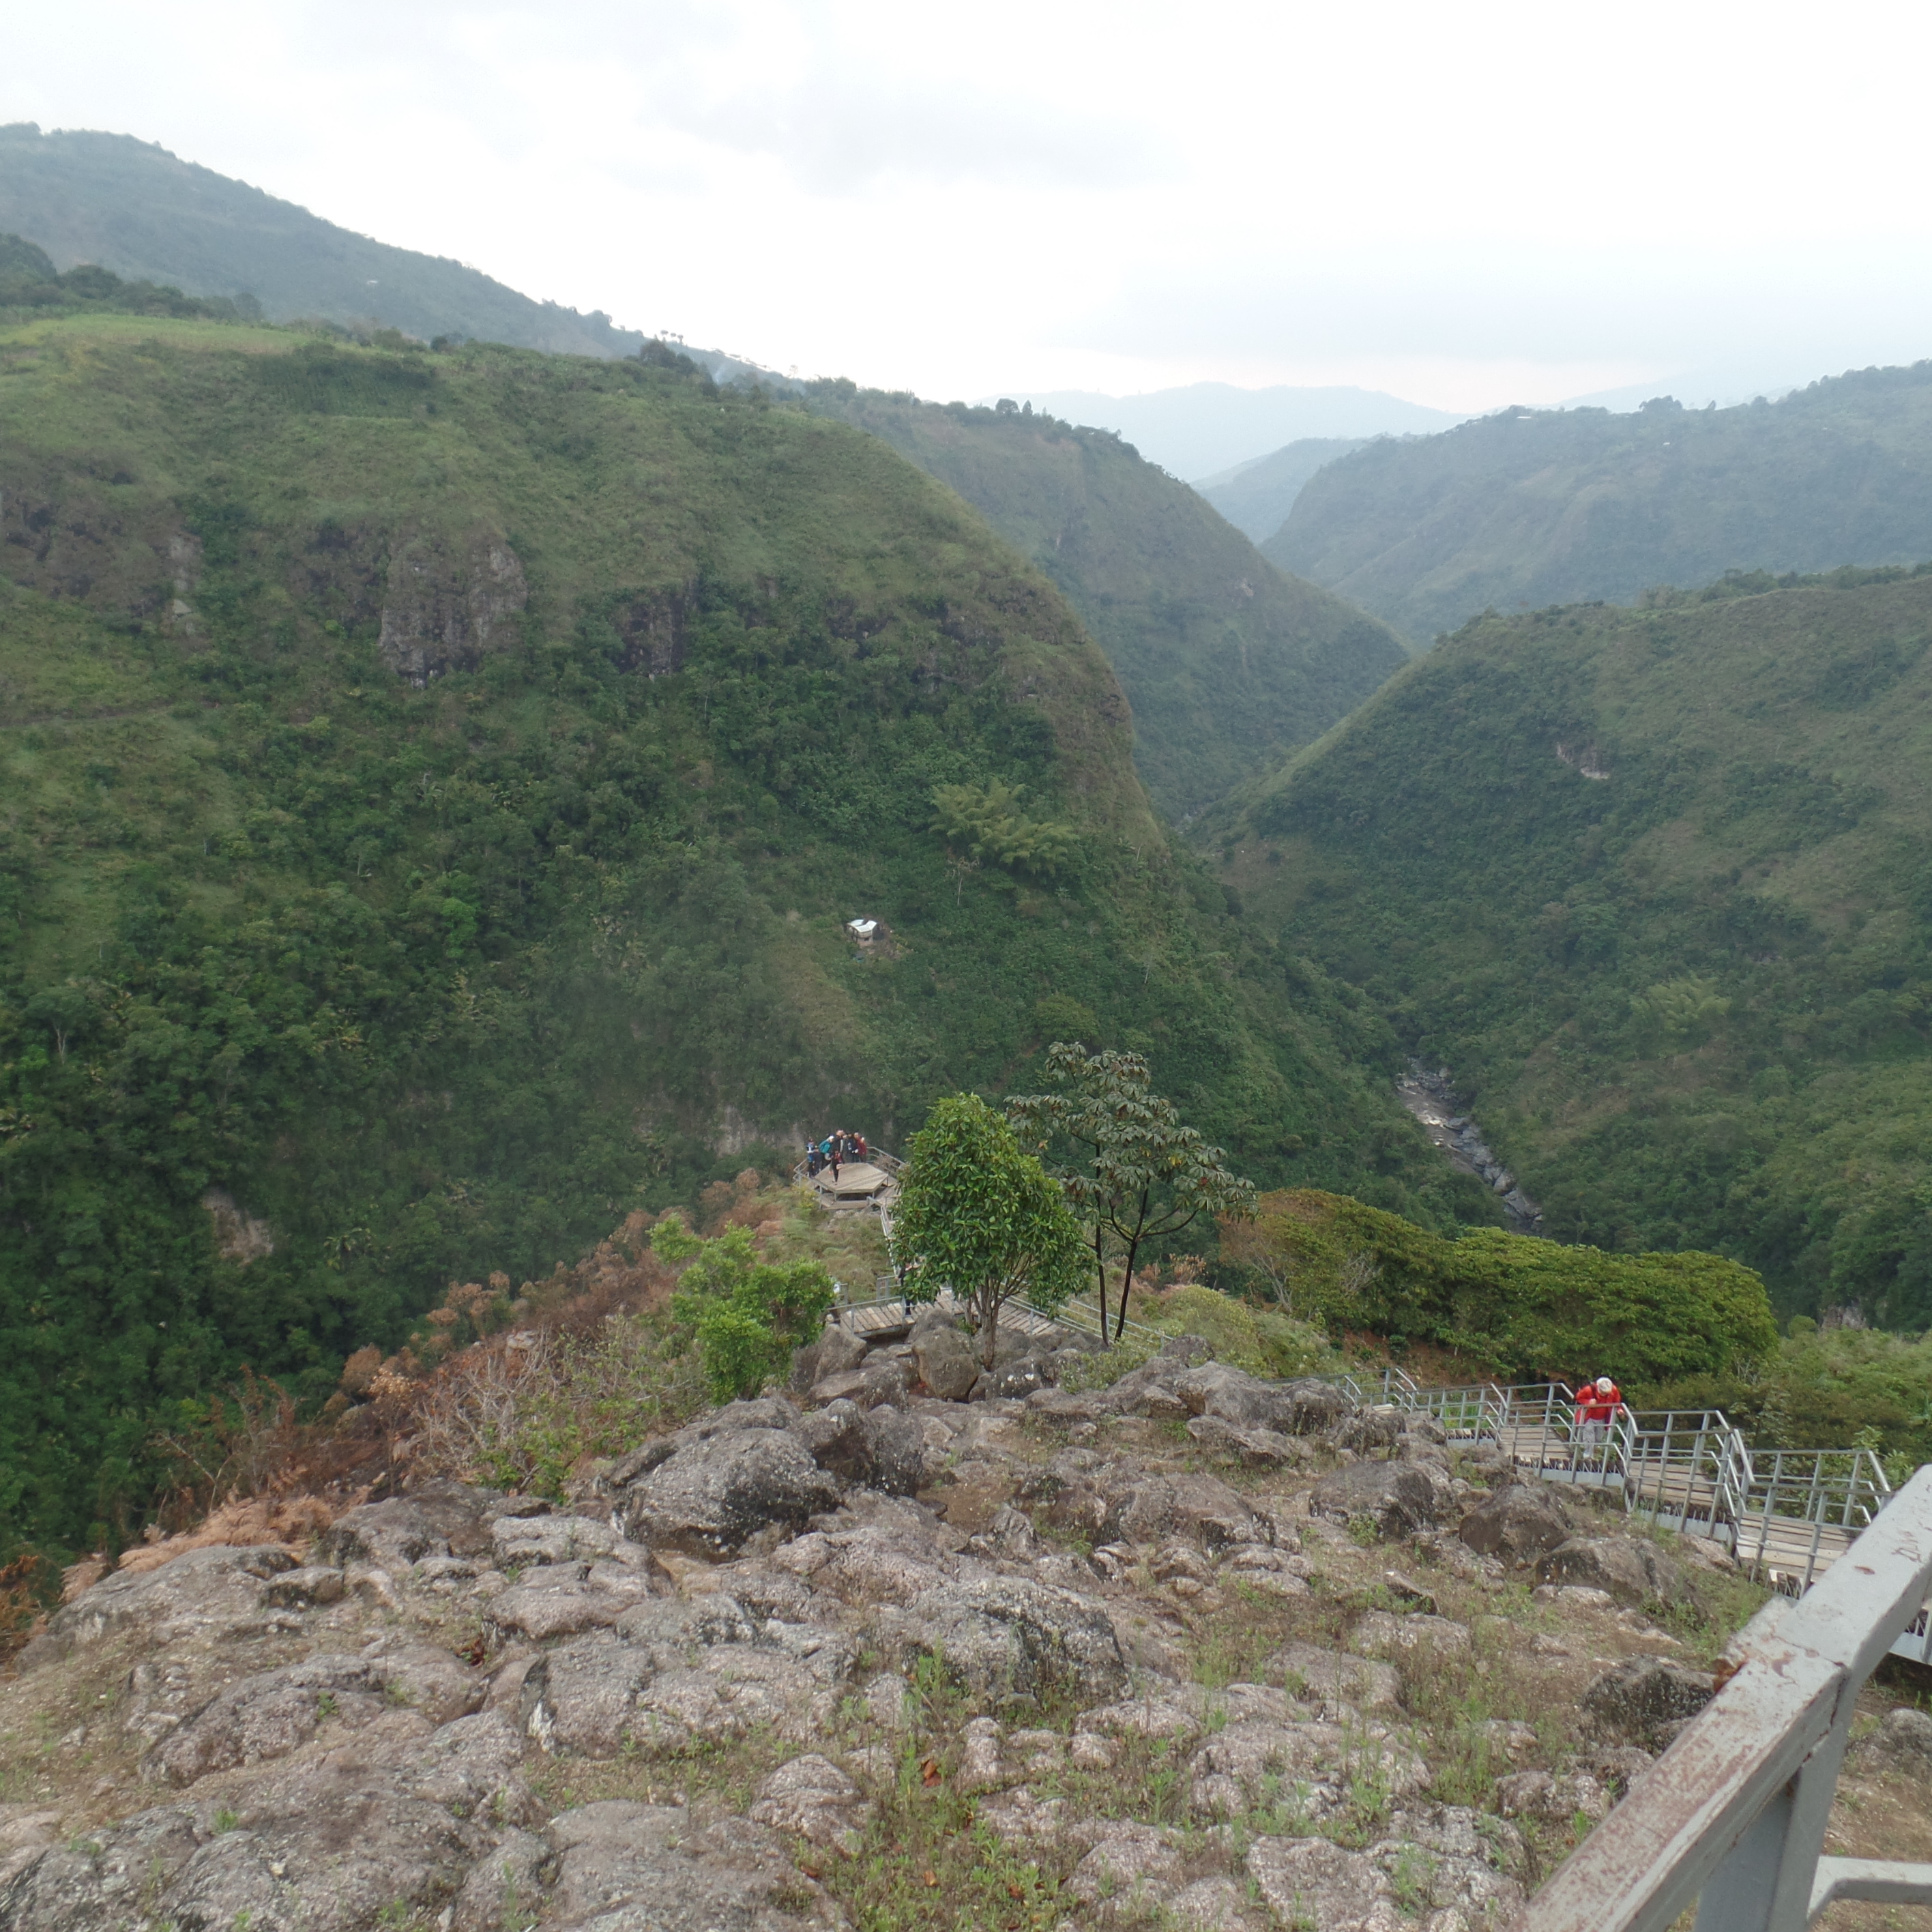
[1132, 1171]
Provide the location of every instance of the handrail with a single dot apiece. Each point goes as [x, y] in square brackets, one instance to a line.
[1734, 1813]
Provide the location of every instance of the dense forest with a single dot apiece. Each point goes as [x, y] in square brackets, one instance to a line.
[1529, 508]
[437, 785]
[1228, 664]
[1652, 884]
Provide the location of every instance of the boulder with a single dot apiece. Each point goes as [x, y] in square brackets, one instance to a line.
[527, 1539]
[1334, 1676]
[899, 1452]
[1010, 1637]
[839, 1439]
[836, 1352]
[1631, 1568]
[203, 1595]
[622, 1866]
[1149, 1508]
[1252, 1759]
[313, 1583]
[1397, 1497]
[1017, 1380]
[441, 1519]
[713, 1493]
[1448, 1866]
[1646, 1700]
[948, 1363]
[1902, 1744]
[811, 1798]
[563, 1599]
[1378, 1633]
[332, 1845]
[1518, 1524]
[267, 1716]
[885, 1381]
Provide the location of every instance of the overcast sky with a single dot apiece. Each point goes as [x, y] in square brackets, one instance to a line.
[1466, 206]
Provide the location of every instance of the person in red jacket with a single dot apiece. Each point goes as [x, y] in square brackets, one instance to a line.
[1596, 1408]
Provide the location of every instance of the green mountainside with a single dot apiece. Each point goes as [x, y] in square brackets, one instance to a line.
[436, 785]
[1533, 507]
[1227, 663]
[1652, 884]
[132, 207]
[1257, 497]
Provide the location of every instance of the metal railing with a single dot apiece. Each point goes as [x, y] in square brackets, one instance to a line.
[1798, 1509]
[1733, 1815]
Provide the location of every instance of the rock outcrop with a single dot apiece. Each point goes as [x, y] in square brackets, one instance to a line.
[1104, 1621]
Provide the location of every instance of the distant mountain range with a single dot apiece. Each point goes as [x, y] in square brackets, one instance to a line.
[1256, 497]
[1529, 508]
[1209, 427]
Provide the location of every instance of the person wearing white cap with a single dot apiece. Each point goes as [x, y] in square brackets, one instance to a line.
[1597, 1406]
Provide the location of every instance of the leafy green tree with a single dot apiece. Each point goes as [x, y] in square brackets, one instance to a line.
[749, 1315]
[987, 820]
[978, 1214]
[1134, 1172]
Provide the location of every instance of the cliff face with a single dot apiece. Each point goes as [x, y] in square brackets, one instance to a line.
[1065, 1657]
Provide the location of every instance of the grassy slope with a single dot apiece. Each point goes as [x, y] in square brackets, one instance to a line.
[1531, 507]
[1693, 1001]
[435, 980]
[1227, 663]
[135, 209]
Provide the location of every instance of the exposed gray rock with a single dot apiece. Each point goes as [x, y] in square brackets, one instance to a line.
[1441, 1862]
[267, 1716]
[1646, 1699]
[900, 1452]
[1631, 1568]
[1334, 1676]
[948, 1364]
[593, 1698]
[552, 1539]
[1148, 1508]
[626, 1868]
[312, 1583]
[1008, 1636]
[331, 1845]
[1378, 1633]
[1398, 1498]
[1901, 1744]
[1253, 1757]
[558, 1599]
[204, 1595]
[717, 1491]
[1518, 1524]
[811, 1798]
[505, 1888]
[840, 1438]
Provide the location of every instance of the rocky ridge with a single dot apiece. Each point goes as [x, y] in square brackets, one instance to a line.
[1192, 1649]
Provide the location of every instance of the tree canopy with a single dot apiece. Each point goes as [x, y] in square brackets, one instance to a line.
[1134, 1171]
[749, 1315]
[978, 1214]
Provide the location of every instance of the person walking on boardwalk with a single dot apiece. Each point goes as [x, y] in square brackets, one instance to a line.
[833, 1148]
[1596, 1408]
[814, 1160]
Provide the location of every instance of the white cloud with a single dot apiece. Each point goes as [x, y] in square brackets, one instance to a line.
[1504, 202]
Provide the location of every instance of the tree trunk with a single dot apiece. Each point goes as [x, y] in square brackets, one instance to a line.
[989, 1331]
[1100, 1269]
[1126, 1283]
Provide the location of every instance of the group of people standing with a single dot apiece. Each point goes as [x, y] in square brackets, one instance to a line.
[837, 1147]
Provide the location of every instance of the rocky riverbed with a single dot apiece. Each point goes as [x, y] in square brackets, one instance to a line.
[1430, 1096]
[1191, 1649]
